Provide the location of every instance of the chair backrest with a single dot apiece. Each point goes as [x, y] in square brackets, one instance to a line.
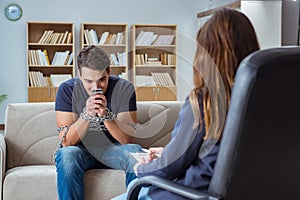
[259, 156]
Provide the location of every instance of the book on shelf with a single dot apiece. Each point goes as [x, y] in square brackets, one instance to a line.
[168, 59]
[57, 79]
[162, 79]
[113, 39]
[118, 59]
[153, 63]
[70, 60]
[64, 38]
[119, 38]
[139, 59]
[48, 37]
[164, 40]
[59, 38]
[54, 38]
[103, 37]
[113, 59]
[41, 40]
[47, 57]
[122, 58]
[60, 58]
[51, 37]
[144, 80]
[45, 36]
[86, 36]
[69, 38]
[145, 38]
[108, 38]
[93, 36]
[36, 79]
[42, 57]
[38, 57]
[150, 38]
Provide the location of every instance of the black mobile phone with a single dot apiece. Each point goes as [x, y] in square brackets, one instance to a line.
[97, 91]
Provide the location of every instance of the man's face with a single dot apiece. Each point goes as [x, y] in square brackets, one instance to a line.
[93, 79]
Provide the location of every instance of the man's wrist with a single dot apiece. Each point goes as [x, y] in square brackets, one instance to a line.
[84, 115]
[110, 116]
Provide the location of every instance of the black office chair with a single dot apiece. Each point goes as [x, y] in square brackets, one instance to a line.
[259, 156]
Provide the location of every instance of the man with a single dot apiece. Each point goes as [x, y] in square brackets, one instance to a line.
[93, 128]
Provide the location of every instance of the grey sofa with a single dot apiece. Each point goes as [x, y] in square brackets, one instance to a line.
[30, 138]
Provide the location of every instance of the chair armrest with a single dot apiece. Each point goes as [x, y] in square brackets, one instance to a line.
[166, 185]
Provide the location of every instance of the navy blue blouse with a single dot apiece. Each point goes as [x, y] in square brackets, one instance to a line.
[187, 159]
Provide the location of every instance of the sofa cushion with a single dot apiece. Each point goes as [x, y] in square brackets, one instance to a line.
[39, 182]
[103, 184]
[30, 182]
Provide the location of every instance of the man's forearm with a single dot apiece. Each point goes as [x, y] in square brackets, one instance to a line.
[121, 131]
[76, 132]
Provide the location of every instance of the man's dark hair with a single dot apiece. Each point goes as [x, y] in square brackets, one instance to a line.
[94, 58]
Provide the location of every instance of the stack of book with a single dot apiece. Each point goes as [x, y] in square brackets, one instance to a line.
[162, 79]
[118, 59]
[168, 59]
[57, 79]
[164, 59]
[51, 37]
[156, 79]
[36, 79]
[144, 80]
[106, 37]
[150, 38]
[62, 58]
[40, 57]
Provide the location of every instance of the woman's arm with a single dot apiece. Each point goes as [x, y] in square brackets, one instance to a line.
[180, 152]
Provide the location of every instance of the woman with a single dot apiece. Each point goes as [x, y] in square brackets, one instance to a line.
[189, 159]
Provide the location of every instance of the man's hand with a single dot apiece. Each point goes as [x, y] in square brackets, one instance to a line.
[96, 105]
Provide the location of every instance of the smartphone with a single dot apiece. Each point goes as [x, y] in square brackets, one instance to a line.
[97, 91]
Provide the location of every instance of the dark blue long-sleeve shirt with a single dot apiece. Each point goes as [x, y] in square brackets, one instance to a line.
[180, 160]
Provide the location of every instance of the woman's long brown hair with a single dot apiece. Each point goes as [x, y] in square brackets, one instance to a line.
[222, 43]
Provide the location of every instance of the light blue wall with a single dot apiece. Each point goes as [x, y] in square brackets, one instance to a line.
[13, 71]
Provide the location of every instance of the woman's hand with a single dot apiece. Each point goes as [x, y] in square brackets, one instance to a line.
[155, 152]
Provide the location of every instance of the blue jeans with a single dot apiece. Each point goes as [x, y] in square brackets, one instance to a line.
[73, 161]
[143, 194]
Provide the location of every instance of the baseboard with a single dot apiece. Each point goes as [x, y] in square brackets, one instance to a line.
[2, 127]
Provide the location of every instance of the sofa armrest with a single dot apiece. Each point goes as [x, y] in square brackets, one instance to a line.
[2, 160]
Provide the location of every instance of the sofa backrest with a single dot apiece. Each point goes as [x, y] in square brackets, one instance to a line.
[31, 136]
[156, 121]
